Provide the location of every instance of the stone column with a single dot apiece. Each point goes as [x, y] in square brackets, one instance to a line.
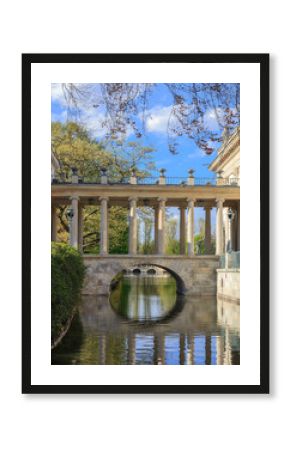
[238, 227]
[156, 213]
[190, 227]
[219, 228]
[182, 230]
[161, 226]
[233, 231]
[104, 226]
[80, 227]
[207, 240]
[132, 226]
[74, 222]
[53, 223]
[227, 232]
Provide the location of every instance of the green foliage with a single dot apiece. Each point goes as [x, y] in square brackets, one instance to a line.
[173, 247]
[145, 231]
[67, 274]
[128, 156]
[118, 230]
[172, 243]
[74, 147]
[199, 248]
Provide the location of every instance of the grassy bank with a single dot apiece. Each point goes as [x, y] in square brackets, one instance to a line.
[67, 275]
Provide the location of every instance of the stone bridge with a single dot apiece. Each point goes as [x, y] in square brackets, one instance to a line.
[194, 275]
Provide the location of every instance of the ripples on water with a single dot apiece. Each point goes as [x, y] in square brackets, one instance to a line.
[145, 322]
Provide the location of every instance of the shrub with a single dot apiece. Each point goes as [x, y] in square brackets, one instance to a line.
[67, 275]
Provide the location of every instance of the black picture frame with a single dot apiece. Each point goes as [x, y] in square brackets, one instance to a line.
[27, 61]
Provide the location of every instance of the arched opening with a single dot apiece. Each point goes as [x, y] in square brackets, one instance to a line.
[180, 286]
[137, 271]
[147, 298]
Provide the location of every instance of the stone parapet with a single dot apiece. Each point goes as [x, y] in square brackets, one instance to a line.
[194, 275]
[228, 284]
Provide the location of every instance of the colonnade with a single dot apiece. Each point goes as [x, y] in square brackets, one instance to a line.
[186, 226]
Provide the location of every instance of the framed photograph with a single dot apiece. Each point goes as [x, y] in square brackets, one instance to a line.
[145, 223]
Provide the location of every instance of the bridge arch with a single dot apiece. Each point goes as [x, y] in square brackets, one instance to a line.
[137, 270]
[193, 275]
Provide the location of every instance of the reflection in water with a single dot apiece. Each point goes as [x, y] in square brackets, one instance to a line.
[144, 298]
[145, 322]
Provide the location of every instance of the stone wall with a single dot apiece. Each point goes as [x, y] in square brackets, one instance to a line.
[228, 284]
[194, 275]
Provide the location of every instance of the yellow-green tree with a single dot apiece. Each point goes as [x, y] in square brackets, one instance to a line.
[75, 148]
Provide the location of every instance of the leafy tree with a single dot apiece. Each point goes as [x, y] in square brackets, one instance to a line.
[131, 156]
[74, 147]
[172, 243]
[118, 230]
[145, 220]
[201, 226]
[67, 275]
[199, 247]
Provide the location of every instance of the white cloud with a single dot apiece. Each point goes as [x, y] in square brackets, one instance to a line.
[59, 117]
[87, 115]
[210, 119]
[93, 120]
[57, 93]
[196, 154]
[156, 119]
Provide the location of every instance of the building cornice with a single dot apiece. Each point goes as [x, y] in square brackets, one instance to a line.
[226, 151]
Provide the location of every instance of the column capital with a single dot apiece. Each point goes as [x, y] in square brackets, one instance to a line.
[131, 199]
[103, 198]
[219, 200]
[74, 197]
[162, 199]
[191, 200]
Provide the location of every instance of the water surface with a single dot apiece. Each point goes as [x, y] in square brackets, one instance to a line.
[145, 322]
